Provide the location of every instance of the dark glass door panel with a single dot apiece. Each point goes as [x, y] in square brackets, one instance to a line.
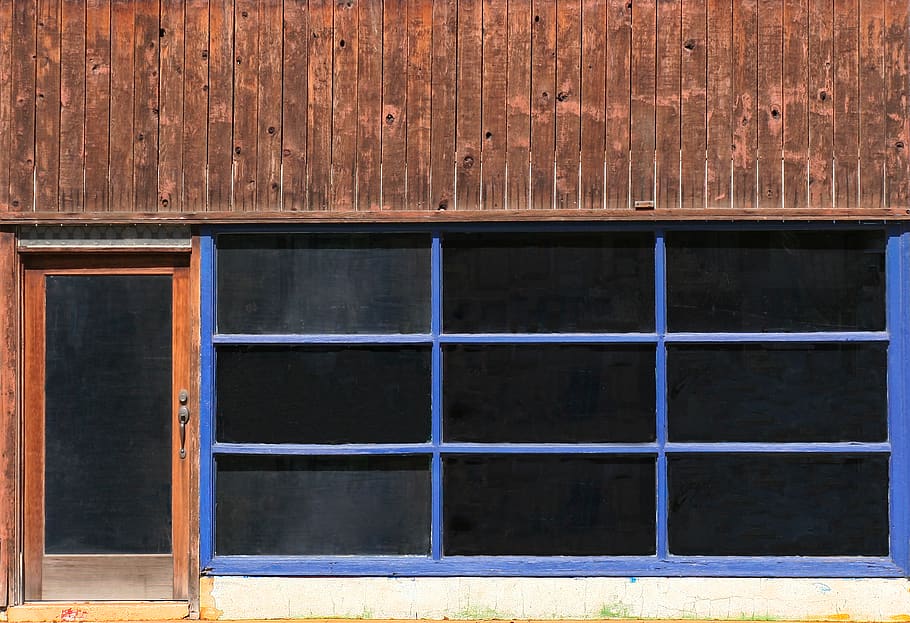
[107, 414]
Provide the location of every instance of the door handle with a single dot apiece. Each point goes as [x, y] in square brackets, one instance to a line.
[183, 416]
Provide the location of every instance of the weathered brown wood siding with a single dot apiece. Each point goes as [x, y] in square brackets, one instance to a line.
[232, 109]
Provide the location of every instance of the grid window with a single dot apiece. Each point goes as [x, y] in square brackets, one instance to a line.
[589, 401]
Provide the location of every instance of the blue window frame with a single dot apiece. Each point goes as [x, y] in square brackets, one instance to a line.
[681, 453]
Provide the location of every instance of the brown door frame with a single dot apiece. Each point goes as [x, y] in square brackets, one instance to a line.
[183, 268]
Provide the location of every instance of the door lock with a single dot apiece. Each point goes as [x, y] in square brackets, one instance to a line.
[183, 417]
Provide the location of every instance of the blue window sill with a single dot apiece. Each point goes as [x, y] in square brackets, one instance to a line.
[505, 566]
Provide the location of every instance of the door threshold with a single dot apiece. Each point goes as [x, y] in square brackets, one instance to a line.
[77, 611]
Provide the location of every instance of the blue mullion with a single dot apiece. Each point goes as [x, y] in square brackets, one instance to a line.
[436, 397]
[279, 449]
[544, 338]
[328, 338]
[897, 277]
[551, 448]
[660, 321]
[206, 399]
[727, 447]
[809, 336]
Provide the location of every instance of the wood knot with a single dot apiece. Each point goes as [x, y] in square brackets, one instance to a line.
[562, 96]
[488, 135]
[689, 44]
[390, 119]
[775, 113]
[823, 95]
[468, 162]
[237, 150]
[164, 202]
[899, 144]
[271, 130]
[341, 43]
[140, 137]
[442, 205]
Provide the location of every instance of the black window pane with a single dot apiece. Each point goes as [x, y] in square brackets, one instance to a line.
[778, 392]
[548, 393]
[778, 505]
[323, 283]
[322, 505]
[548, 505]
[776, 281]
[548, 283]
[323, 394]
[108, 414]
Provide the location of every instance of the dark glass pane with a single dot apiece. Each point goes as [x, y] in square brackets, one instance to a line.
[778, 392]
[107, 414]
[778, 505]
[323, 283]
[776, 281]
[323, 394]
[548, 393]
[548, 505]
[548, 282]
[309, 505]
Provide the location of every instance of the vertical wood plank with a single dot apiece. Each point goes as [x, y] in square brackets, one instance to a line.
[195, 106]
[494, 115]
[170, 154]
[268, 140]
[319, 106]
[145, 112]
[6, 113]
[442, 130]
[468, 105]
[821, 103]
[420, 27]
[593, 103]
[795, 104]
[872, 96]
[770, 104]
[568, 102]
[543, 103]
[294, 104]
[897, 115]
[618, 115]
[221, 95]
[369, 106]
[668, 105]
[22, 148]
[246, 105]
[121, 115]
[9, 420]
[47, 107]
[644, 83]
[394, 103]
[344, 109]
[72, 104]
[745, 122]
[518, 104]
[97, 104]
[720, 104]
[846, 104]
[693, 103]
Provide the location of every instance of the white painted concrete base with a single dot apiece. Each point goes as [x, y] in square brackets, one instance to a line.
[747, 599]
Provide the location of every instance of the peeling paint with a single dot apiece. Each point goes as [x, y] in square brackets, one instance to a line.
[207, 607]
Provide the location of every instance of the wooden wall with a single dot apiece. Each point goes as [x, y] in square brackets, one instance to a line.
[629, 108]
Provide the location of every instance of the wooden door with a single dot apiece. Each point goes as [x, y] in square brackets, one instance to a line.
[106, 403]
